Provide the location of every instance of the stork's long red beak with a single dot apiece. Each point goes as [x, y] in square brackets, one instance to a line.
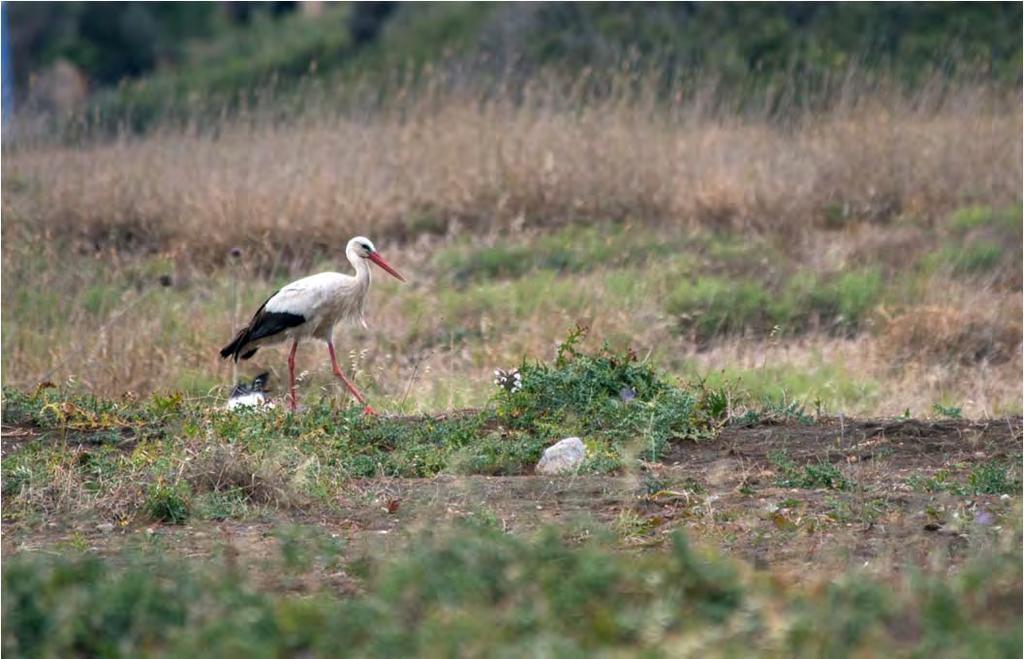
[376, 258]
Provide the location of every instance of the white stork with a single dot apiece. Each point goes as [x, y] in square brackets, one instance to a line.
[310, 308]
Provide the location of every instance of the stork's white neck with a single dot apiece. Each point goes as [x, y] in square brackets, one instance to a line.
[361, 266]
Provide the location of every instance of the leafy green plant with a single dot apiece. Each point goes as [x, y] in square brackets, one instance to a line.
[940, 481]
[950, 412]
[809, 476]
[994, 477]
[16, 478]
[170, 503]
[610, 398]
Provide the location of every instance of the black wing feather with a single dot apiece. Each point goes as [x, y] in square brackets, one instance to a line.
[263, 324]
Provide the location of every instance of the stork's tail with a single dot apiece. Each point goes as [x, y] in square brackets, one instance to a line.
[237, 348]
[264, 325]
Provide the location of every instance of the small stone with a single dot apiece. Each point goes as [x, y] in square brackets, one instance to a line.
[563, 457]
[105, 527]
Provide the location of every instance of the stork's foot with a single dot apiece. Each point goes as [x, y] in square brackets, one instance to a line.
[369, 411]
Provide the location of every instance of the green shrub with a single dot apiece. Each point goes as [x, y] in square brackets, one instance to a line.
[609, 398]
[994, 477]
[169, 503]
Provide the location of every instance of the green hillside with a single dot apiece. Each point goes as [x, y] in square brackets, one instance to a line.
[189, 60]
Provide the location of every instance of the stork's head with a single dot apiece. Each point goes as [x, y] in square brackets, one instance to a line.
[363, 248]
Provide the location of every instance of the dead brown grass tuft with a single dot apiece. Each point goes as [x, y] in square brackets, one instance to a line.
[229, 469]
[947, 334]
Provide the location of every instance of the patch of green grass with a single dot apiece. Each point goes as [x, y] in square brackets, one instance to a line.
[826, 385]
[774, 410]
[170, 503]
[572, 249]
[847, 299]
[16, 478]
[940, 481]
[966, 260]
[809, 476]
[852, 508]
[716, 305]
[100, 299]
[498, 454]
[992, 477]
[711, 306]
[230, 504]
[508, 302]
[980, 234]
[995, 477]
[972, 218]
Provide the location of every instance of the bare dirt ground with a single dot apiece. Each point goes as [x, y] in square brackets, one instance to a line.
[729, 493]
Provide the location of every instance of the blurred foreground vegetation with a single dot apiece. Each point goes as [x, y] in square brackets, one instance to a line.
[475, 591]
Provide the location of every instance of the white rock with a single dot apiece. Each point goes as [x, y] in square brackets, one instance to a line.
[105, 527]
[565, 456]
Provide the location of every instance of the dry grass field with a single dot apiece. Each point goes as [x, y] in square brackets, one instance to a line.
[884, 231]
[803, 331]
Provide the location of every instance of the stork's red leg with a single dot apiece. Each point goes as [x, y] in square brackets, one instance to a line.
[348, 383]
[294, 400]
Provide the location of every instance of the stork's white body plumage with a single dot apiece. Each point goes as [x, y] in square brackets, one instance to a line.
[324, 300]
[310, 308]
